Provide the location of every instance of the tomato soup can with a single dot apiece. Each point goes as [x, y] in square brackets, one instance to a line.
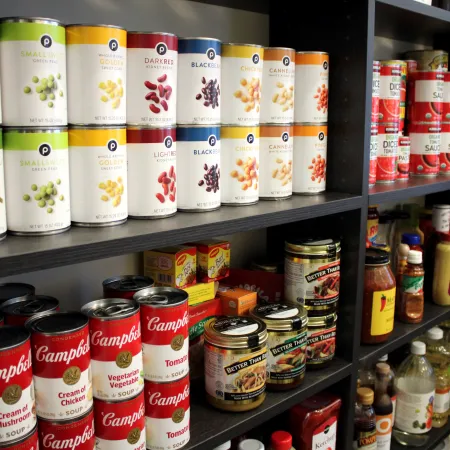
[61, 365]
[426, 95]
[390, 84]
[97, 70]
[198, 158]
[152, 66]
[199, 81]
[18, 412]
[18, 310]
[33, 72]
[375, 91]
[152, 154]
[373, 153]
[70, 434]
[164, 323]
[240, 165]
[125, 286]
[387, 152]
[403, 156]
[276, 154]
[167, 414]
[436, 60]
[310, 159]
[278, 79]
[120, 425]
[37, 183]
[3, 226]
[29, 442]
[98, 182]
[425, 148]
[444, 156]
[14, 290]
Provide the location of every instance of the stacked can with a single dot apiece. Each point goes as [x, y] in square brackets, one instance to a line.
[311, 118]
[373, 149]
[165, 346]
[444, 160]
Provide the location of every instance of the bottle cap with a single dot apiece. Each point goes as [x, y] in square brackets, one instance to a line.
[415, 257]
[383, 358]
[251, 444]
[365, 396]
[224, 446]
[418, 348]
[410, 239]
[435, 334]
[281, 440]
[383, 368]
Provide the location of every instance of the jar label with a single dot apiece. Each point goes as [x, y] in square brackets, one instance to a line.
[325, 435]
[441, 401]
[412, 285]
[384, 431]
[383, 310]
[321, 345]
[372, 230]
[366, 440]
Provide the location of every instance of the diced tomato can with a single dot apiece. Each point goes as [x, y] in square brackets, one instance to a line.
[387, 152]
[125, 286]
[29, 442]
[403, 155]
[375, 91]
[425, 148]
[426, 95]
[18, 310]
[373, 152]
[444, 157]
[390, 84]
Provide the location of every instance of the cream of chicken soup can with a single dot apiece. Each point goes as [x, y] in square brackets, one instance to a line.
[3, 227]
[33, 72]
[97, 67]
[98, 167]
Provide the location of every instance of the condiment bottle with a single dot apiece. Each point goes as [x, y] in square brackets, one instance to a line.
[426, 224]
[281, 440]
[385, 227]
[372, 225]
[412, 240]
[251, 444]
[391, 388]
[365, 433]
[400, 267]
[383, 407]
[441, 276]
[413, 209]
[366, 378]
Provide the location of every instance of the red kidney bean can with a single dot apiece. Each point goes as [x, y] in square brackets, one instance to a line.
[426, 95]
[164, 324]
[390, 84]
[75, 434]
[14, 290]
[29, 442]
[120, 425]
[403, 155]
[125, 286]
[444, 156]
[152, 159]
[425, 148]
[387, 152]
[18, 310]
[17, 409]
[167, 414]
[375, 91]
[61, 365]
[116, 351]
[373, 154]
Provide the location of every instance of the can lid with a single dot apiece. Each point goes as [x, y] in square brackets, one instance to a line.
[110, 308]
[29, 305]
[281, 316]
[280, 48]
[162, 33]
[266, 264]
[99, 25]
[46, 20]
[43, 130]
[242, 45]
[14, 290]
[12, 336]
[311, 53]
[126, 283]
[57, 322]
[198, 38]
[161, 297]
[313, 247]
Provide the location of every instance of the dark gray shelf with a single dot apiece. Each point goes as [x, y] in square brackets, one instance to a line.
[437, 435]
[259, 6]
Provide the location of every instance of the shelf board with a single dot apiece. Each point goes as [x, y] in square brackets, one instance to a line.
[211, 427]
[404, 333]
[259, 6]
[437, 435]
[402, 190]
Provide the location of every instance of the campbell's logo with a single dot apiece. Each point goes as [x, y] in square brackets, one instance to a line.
[214, 252]
[50, 440]
[99, 339]
[158, 399]
[112, 420]
[24, 364]
[155, 324]
[66, 356]
[181, 260]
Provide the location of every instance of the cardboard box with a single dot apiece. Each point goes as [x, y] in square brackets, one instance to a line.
[201, 292]
[236, 301]
[200, 314]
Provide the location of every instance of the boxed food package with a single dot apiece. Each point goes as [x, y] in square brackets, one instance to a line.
[201, 292]
[236, 301]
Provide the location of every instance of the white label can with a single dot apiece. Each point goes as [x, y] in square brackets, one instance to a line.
[33, 72]
[198, 159]
[2, 193]
[97, 68]
[98, 183]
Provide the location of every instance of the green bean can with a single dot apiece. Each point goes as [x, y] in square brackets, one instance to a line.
[2, 193]
[37, 180]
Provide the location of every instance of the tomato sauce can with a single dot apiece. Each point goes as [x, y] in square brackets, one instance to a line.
[14, 290]
[164, 323]
[425, 148]
[120, 425]
[61, 365]
[18, 412]
[446, 99]
[375, 91]
[426, 95]
[125, 286]
[167, 414]
[387, 152]
[390, 84]
[152, 66]
[373, 153]
[152, 161]
[198, 158]
[18, 310]
[436, 60]
[29, 442]
[403, 156]
[444, 157]
[321, 341]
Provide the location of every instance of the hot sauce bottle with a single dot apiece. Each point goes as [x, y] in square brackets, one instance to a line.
[365, 430]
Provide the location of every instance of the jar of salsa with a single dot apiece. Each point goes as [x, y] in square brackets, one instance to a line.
[372, 225]
[379, 298]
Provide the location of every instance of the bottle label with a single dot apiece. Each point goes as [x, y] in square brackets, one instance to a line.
[366, 440]
[441, 401]
[384, 432]
[414, 412]
[325, 435]
[383, 310]
[372, 230]
[412, 285]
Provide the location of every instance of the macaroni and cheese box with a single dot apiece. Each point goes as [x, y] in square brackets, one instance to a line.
[213, 260]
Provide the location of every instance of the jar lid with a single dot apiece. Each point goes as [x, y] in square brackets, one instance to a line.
[313, 247]
[410, 239]
[414, 257]
[365, 396]
[376, 257]
[281, 317]
[281, 440]
[251, 444]
[224, 446]
[383, 358]
[435, 334]
[383, 368]
[418, 348]
[322, 321]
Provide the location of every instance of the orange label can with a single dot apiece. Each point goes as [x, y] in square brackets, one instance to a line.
[387, 152]
[390, 83]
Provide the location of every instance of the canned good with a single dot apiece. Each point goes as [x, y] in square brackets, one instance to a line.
[116, 352]
[275, 155]
[98, 182]
[3, 227]
[97, 70]
[426, 95]
[29, 442]
[310, 158]
[235, 360]
[375, 91]
[321, 341]
[278, 78]
[167, 414]
[18, 310]
[37, 180]
[152, 61]
[125, 286]
[403, 83]
[242, 68]
[198, 158]
[387, 152]
[240, 164]
[16, 385]
[199, 82]
[425, 148]
[436, 60]
[411, 66]
[61, 365]
[312, 269]
[390, 83]
[266, 264]
[373, 152]
[403, 155]
[165, 344]
[444, 156]
[446, 98]
[33, 72]
[13, 290]
[120, 425]
[152, 163]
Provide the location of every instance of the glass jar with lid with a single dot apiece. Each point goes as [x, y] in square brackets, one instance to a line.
[321, 341]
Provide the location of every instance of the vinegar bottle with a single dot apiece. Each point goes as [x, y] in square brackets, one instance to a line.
[383, 407]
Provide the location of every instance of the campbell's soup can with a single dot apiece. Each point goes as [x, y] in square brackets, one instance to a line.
[310, 158]
[390, 83]
[426, 95]
[403, 83]
[199, 81]
[276, 149]
[17, 402]
[278, 79]
[61, 365]
[198, 159]
[164, 323]
[152, 162]
[167, 414]
[125, 286]
[29, 442]
[403, 156]
[425, 148]
[3, 226]
[120, 425]
[18, 310]
[152, 66]
[14, 290]
[444, 156]
[74, 434]
[373, 152]
[387, 153]
[436, 60]
[375, 91]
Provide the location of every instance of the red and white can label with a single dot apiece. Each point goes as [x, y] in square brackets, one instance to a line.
[375, 91]
[116, 358]
[165, 343]
[411, 65]
[62, 374]
[167, 414]
[120, 426]
[29, 443]
[444, 156]
[17, 410]
[446, 100]
[425, 148]
[426, 95]
[403, 155]
[387, 153]
[373, 154]
[390, 82]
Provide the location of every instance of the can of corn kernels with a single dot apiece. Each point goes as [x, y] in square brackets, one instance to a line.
[98, 165]
[97, 66]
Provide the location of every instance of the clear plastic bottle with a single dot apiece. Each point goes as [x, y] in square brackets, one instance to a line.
[365, 428]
